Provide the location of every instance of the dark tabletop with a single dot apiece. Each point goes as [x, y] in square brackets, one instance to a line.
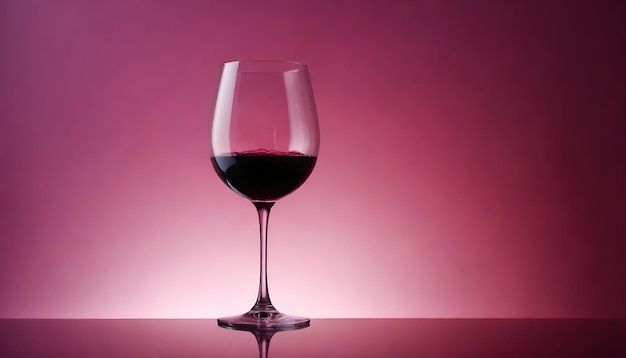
[324, 338]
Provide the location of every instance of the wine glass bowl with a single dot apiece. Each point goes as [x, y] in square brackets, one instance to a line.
[264, 145]
[265, 104]
[264, 175]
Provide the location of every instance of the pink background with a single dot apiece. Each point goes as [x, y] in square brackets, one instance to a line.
[472, 160]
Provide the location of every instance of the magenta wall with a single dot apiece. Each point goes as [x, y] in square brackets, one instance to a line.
[472, 161]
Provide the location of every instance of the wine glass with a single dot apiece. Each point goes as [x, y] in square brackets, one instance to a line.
[264, 142]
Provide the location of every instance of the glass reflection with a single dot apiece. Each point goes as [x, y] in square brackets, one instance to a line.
[263, 335]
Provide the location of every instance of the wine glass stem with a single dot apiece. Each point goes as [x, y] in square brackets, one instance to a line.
[263, 302]
[264, 345]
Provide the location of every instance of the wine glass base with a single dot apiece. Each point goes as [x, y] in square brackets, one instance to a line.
[263, 320]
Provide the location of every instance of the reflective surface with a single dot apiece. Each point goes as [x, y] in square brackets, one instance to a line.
[324, 338]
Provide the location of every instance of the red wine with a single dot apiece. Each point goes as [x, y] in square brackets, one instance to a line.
[264, 175]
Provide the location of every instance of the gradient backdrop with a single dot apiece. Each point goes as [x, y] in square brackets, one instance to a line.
[472, 160]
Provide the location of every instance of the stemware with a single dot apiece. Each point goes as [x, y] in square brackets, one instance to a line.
[264, 143]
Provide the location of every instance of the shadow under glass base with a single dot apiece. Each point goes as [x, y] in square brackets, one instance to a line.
[263, 320]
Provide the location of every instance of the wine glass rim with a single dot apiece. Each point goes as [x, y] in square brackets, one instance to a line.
[298, 66]
[266, 60]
